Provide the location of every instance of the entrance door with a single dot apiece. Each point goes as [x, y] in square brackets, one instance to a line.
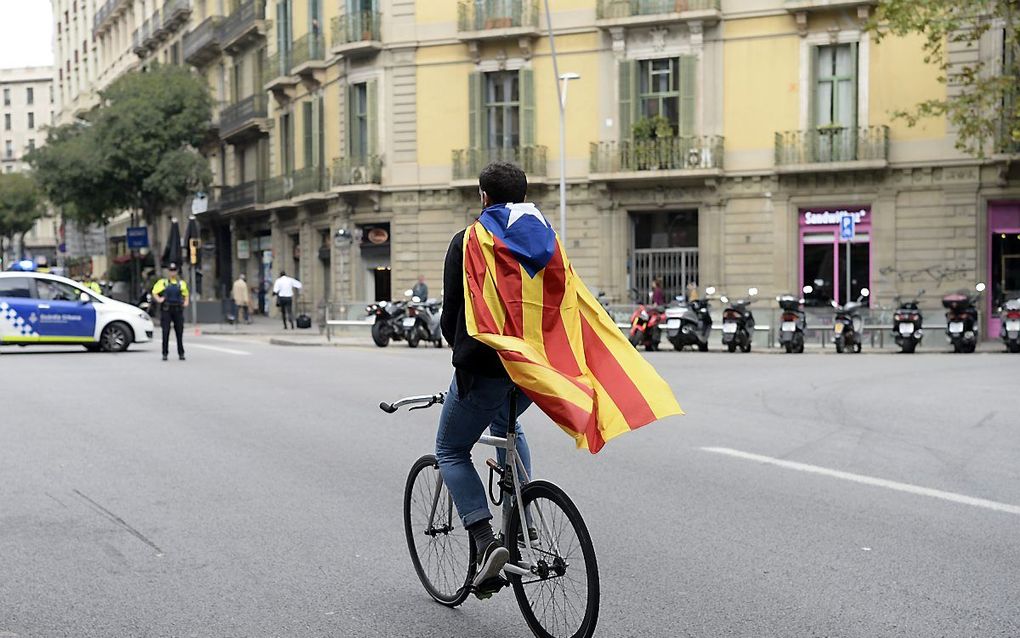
[824, 264]
[1004, 258]
[665, 248]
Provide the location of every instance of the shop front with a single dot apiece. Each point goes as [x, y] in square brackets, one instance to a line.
[1003, 260]
[832, 269]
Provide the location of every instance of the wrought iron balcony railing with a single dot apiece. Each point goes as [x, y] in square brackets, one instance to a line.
[698, 152]
[202, 43]
[307, 48]
[361, 26]
[241, 195]
[614, 9]
[103, 15]
[243, 114]
[483, 15]
[277, 65]
[243, 21]
[832, 144]
[311, 179]
[469, 162]
[353, 171]
[275, 189]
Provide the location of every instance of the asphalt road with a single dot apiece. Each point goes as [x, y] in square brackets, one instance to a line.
[255, 490]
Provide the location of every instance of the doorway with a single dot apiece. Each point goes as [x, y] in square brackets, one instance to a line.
[824, 258]
[1004, 260]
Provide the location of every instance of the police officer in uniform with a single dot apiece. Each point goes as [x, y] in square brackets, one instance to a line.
[171, 293]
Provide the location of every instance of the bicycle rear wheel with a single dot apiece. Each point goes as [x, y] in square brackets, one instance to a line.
[441, 549]
[562, 600]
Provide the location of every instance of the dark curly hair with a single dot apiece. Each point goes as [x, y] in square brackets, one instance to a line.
[505, 183]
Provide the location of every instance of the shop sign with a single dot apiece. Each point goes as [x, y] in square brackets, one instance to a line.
[266, 242]
[243, 249]
[832, 217]
[378, 235]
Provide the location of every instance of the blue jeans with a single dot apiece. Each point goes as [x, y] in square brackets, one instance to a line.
[462, 422]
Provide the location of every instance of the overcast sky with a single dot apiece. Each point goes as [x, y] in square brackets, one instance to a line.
[26, 33]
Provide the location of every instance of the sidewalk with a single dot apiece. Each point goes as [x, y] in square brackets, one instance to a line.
[272, 329]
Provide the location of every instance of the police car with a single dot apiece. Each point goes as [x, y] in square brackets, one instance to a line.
[41, 308]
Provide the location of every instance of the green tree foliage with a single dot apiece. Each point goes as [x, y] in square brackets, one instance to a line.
[981, 101]
[136, 151]
[20, 205]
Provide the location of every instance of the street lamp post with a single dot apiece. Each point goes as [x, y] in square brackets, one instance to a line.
[561, 93]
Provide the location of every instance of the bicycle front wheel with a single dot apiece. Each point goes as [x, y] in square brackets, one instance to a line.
[560, 600]
[441, 549]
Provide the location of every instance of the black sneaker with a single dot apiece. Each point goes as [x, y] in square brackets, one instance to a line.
[182, 357]
[490, 563]
[164, 357]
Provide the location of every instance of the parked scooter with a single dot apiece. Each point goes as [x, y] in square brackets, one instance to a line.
[738, 322]
[387, 324]
[962, 318]
[422, 322]
[646, 327]
[907, 324]
[688, 323]
[793, 321]
[1010, 331]
[848, 326]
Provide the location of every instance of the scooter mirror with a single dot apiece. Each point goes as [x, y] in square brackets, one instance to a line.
[920, 292]
[865, 292]
[980, 287]
[834, 304]
[710, 290]
[416, 299]
[808, 290]
[408, 293]
[752, 291]
[724, 299]
[84, 297]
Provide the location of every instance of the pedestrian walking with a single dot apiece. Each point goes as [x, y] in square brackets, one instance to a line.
[658, 296]
[284, 288]
[421, 289]
[242, 298]
[171, 293]
[262, 298]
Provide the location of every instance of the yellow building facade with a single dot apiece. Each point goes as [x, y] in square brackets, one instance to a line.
[715, 142]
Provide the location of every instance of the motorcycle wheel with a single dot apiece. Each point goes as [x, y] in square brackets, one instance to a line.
[1013, 346]
[839, 345]
[745, 347]
[970, 348]
[857, 347]
[439, 342]
[908, 346]
[380, 336]
[635, 339]
[702, 347]
[677, 345]
[789, 347]
[731, 347]
[413, 338]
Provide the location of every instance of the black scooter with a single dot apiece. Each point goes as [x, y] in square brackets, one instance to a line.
[695, 325]
[962, 319]
[907, 324]
[793, 322]
[848, 326]
[738, 322]
[1009, 314]
[388, 316]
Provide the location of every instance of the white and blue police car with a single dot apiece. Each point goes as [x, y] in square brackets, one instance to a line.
[42, 308]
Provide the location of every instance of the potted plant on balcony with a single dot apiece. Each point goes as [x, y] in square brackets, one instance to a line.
[650, 135]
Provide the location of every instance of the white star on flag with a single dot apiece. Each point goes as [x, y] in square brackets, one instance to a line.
[518, 211]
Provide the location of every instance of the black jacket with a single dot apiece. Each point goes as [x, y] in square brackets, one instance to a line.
[470, 356]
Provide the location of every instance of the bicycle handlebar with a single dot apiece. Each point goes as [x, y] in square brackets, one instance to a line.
[426, 401]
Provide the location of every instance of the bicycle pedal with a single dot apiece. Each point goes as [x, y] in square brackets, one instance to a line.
[484, 591]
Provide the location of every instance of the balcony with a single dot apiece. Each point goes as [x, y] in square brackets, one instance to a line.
[176, 13]
[694, 157]
[483, 20]
[137, 39]
[159, 30]
[244, 25]
[633, 13]
[276, 75]
[311, 182]
[244, 119]
[469, 162]
[308, 57]
[202, 44]
[356, 173]
[794, 6]
[246, 195]
[832, 148]
[357, 34]
[105, 15]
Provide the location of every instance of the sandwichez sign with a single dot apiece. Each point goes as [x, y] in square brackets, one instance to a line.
[832, 217]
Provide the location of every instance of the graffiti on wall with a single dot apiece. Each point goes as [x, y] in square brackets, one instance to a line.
[938, 273]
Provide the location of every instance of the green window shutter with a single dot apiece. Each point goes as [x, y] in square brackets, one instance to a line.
[309, 134]
[351, 123]
[476, 110]
[688, 95]
[812, 88]
[320, 136]
[372, 113]
[281, 36]
[628, 98]
[527, 82]
[853, 84]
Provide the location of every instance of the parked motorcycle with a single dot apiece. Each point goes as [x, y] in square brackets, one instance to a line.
[688, 323]
[793, 321]
[738, 322]
[907, 324]
[646, 327]
[962, 318]
[422, 322]
[1010, 330]
[388, 316]
[848, 326]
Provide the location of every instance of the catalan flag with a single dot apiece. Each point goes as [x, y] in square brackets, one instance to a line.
[558, 344]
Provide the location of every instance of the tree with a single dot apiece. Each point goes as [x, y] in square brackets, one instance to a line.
[136, 151]
[20, 206]
[981, 101]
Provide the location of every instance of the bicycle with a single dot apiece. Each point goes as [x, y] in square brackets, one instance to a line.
[552, 568]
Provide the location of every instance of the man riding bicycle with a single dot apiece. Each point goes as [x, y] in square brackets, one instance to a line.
[480, 389]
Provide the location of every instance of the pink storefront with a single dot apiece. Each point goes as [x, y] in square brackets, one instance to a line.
[1003, 260]
[823, 257]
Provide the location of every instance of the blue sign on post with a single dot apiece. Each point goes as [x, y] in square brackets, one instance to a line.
[846, 228]
[138, 237]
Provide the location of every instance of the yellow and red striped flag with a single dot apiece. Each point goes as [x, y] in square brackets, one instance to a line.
[558, 344]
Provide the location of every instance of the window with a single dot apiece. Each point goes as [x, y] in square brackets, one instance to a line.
[29, 96]
[659, 89]
[7, 121]
[7, 97]
[502, 109]
[8, 149]
[359, 120]
[286, 143]
[51, 94]
[20, 287]
[836, 86]
[56, 291]
[309, 136]
[31, 120]
[663, 87]
[31, 145]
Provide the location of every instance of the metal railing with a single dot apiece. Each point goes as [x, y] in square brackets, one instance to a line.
[482, 15]
[176, 12]
[832, 144]
[311, 179]
[204, 37]
[237, 115]
[277, 188]
[360, 26]
[307, 48]
[158, 28]
[240, 195]
[105, 12]
[349, 171]
[675, 267]
[277, 65]
[659, 154]
[612, 9]
[468, 162]
[245, 18]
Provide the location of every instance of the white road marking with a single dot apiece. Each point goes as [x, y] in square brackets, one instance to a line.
[869, 480]
[218, 349]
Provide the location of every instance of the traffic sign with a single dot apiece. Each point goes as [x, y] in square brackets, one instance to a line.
[846, 228]
[137, 237]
